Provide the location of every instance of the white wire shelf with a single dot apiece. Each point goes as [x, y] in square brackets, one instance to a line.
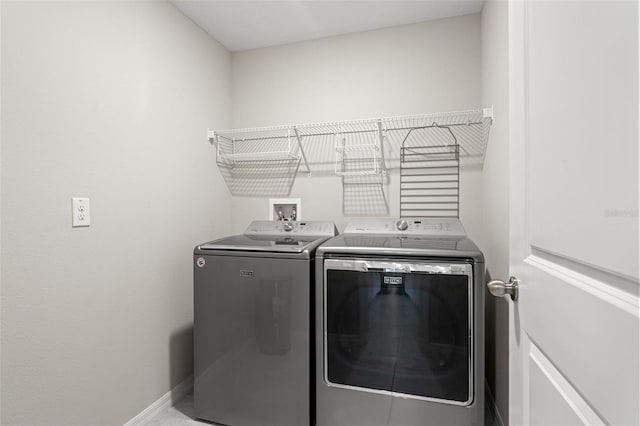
[367, 124]
[361, 147]
[259, 156]
[356, 156]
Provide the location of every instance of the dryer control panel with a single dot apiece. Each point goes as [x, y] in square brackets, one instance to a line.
[297, 228]
[419, 226]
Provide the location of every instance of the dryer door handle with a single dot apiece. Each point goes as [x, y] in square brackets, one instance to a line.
[366, 265]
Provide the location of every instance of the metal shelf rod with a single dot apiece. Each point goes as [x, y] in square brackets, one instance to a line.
[430, 202]
[429, 160]
[428, 174]
[429, 210]
[430, 189]
[430, 196]
[434, 167]
[414, 148]
[412, 152]
[434, 182]
[352, 132]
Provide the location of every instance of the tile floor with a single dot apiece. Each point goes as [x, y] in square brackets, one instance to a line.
[182, 414]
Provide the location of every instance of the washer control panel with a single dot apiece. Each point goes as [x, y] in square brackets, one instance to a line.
[443, 227]
[298, 228]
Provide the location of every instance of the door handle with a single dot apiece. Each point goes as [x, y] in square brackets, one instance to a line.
[499, 288]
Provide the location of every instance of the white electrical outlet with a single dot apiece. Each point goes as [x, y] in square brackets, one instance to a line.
[80, 212]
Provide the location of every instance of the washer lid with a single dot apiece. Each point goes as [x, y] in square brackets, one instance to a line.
[276, 237]
[433, 236]
[294, 229]
[395, 243]
[277, 244]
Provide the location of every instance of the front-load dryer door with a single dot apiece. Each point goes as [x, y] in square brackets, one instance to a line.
[399, 328]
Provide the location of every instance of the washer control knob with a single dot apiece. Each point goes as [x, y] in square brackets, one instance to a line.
[288, 226]
[402, 225]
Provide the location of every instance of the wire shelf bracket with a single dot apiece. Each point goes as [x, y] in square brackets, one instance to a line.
[359, 148]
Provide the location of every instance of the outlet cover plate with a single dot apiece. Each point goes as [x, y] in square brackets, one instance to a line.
[80, 212]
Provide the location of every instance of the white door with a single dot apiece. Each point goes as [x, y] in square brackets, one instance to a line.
[574, 212]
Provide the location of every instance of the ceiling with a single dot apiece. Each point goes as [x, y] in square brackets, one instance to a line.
[243, 25]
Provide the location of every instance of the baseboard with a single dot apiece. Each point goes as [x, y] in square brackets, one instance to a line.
[165, 401]
[491, 402]
[182, 389]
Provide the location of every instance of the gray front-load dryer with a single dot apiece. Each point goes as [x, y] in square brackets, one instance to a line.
[399, 325]
[252, 325]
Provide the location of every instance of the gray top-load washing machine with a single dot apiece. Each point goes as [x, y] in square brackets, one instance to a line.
[252, 324]
[399, 325]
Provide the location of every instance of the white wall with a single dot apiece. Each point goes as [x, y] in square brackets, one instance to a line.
[108, 100]
[494, 240]
[420, 68]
